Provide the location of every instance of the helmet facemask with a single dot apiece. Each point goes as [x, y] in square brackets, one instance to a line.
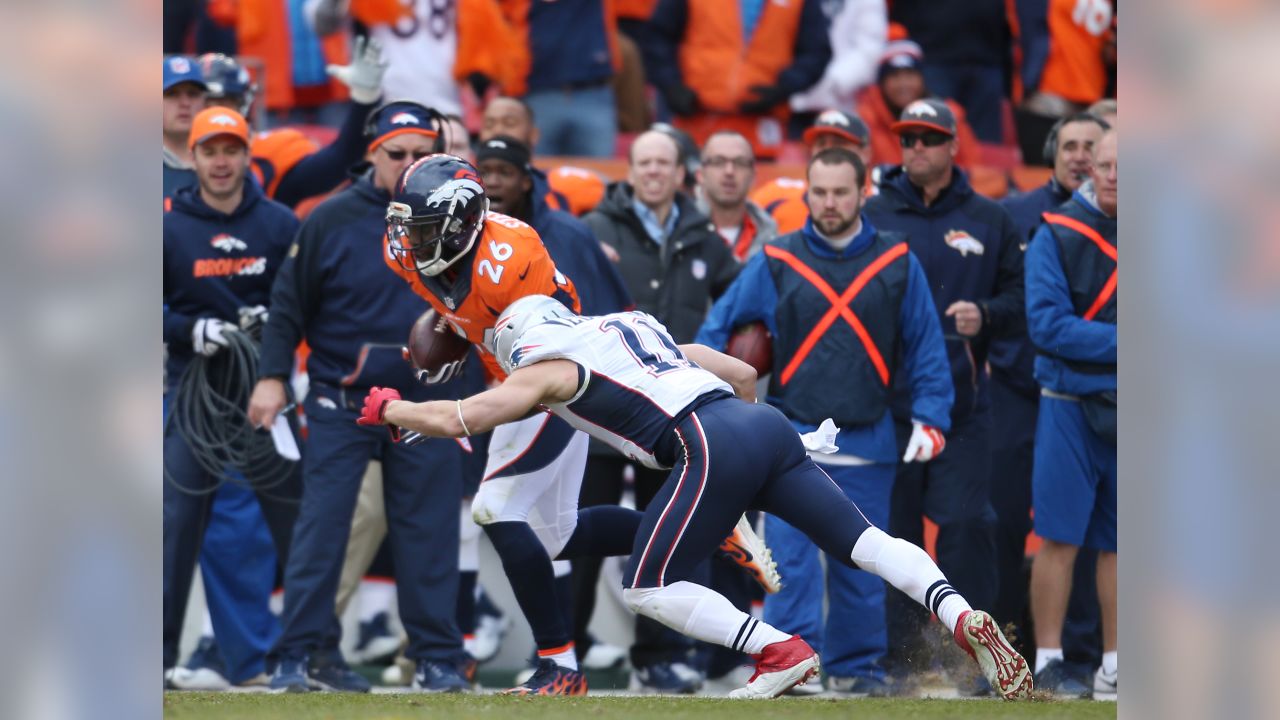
[431, 244]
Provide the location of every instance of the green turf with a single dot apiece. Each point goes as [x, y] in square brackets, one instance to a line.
[326, 706]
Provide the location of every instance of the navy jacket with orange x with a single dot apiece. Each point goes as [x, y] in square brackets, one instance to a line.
[753, 296]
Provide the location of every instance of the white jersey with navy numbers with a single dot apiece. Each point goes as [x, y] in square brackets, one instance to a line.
[635, 380]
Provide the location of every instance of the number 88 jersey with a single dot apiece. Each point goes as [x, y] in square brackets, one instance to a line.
[508, 262]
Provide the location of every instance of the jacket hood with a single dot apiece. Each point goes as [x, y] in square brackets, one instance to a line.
[189, 201]
[896, 187]
[362, 185]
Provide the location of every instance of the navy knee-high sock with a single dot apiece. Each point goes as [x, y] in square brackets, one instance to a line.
[528, 568]
[466, 609]
[603, 530]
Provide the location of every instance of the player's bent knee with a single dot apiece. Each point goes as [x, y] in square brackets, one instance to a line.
[636, 598]
[492, 503]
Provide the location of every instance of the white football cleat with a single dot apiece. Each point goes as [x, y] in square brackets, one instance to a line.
[978, 634]
[780, 667]
[748, 550]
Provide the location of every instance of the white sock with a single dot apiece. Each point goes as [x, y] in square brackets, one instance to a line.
[1044, 656]
[376, 596]
[468, 541]
[207, 630]
[563, 656]
[1110, 662]
[912, 571]
[560, 568]
[703, 614]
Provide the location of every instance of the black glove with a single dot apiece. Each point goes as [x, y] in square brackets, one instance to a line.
[479, 83]
[681, 99]
[766, 98]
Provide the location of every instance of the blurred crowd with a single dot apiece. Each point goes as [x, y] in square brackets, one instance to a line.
[973, 382]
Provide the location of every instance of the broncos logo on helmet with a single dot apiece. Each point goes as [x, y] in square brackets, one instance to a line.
[437, 213]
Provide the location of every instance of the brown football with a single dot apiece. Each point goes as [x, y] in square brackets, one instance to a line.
[753, 345]
[433, 343]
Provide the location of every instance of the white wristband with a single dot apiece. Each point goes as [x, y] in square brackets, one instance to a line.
[464, 422]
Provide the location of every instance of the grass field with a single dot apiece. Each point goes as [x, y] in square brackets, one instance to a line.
[326, 706]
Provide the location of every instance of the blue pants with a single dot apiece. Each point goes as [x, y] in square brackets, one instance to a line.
[238, 565]
[718, 477]
[953, 491]
[188, 503]
[978, 88]
[1074, 482]
[1014, 416]
[853, 639]
[422, 487]
[576, 122]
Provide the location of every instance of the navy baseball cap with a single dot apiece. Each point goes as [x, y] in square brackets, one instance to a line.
[927, 114]
[506, 149]
[838, 122]
[180, 69]
[399, 117]
[900, 55]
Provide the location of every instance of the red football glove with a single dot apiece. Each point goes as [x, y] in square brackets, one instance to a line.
[375, 408]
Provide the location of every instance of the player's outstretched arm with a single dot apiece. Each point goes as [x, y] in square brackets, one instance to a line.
[729, 369]
[545, 382]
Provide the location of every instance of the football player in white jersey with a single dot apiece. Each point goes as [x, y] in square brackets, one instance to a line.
[622, 379]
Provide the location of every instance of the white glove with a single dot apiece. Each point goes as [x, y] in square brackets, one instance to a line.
[207, 337]
[364, 74]
[443, 375]
[925, 444]
[252, 317]
[822, 440]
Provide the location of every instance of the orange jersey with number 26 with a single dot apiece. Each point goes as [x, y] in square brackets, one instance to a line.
[508, 262]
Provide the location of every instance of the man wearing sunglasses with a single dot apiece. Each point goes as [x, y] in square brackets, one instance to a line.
[336, 293]
[968, 246]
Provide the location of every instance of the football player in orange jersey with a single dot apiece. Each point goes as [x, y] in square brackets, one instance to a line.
[471, 263]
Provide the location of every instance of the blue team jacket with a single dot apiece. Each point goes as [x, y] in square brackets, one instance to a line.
[216, 263]
[1052, 321]
[753, 297]
[969, 250]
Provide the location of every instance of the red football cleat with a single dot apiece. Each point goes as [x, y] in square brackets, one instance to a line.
[979, 635]
[780, 667]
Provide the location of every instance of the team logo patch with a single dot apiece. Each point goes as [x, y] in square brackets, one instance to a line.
[404, 118]
[326, 403]
[832, 117]
[228, 243]
[963, 242]
[223, 120]
[451, 303]
[180, 65]
[921, 108]
[699, 269]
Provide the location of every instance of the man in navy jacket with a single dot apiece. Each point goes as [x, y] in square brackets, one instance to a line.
[1015, 399]
[969, 250]
[1072, 318]
[335, 292]
[223, 244]
[887, 329]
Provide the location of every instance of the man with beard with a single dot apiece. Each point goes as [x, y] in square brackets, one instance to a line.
[848, 307]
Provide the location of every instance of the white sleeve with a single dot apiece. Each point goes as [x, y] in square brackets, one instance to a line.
[858, 36]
